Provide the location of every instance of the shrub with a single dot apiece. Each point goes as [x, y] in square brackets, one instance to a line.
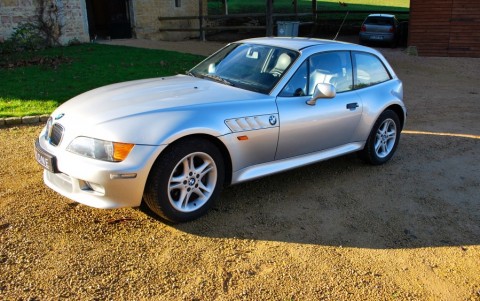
[26, 37]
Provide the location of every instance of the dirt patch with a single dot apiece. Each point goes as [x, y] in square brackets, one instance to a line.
[337, 230]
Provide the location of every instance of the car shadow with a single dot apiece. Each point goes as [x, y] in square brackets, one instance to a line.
[426, 196]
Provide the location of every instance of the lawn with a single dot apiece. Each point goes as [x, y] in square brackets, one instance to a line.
[330, 12]
[55, 75]
[52, 76]
[286, 6]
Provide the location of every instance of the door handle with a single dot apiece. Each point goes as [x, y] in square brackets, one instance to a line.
[352, 106]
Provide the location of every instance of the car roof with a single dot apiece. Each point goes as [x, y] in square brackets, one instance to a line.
[293, 43]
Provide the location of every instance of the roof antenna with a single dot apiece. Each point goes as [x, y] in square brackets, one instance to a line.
[343, 22]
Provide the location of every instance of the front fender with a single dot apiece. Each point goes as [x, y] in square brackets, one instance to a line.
[159, 128]
[168, 125]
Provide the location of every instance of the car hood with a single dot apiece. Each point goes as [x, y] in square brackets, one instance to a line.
[146, 96]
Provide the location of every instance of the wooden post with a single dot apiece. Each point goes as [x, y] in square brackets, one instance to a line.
[314, 10]
[200, 20]
[269, 20]
[225, 7]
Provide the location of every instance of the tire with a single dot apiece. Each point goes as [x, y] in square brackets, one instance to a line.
[185, 180]
[383, 139]
[394, 43]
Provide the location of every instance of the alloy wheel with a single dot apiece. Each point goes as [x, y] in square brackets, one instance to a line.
[192, 182]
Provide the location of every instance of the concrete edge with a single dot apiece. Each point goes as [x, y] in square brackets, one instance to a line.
[28, 120]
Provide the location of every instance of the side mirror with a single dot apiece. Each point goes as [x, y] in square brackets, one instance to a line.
[322, 91]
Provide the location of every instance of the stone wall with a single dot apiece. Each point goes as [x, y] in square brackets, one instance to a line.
[72, 16]
[75, 23]
[147, 25]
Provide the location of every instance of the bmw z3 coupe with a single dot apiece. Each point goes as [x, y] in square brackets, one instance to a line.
[254, 108]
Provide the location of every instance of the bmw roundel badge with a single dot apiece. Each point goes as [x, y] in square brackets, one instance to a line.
[272, 120]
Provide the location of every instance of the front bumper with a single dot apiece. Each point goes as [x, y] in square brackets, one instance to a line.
[98, 183]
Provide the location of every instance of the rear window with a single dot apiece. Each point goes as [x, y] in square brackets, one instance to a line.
[369, 70]
[379, 21]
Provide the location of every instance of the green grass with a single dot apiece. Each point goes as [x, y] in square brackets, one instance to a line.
[35, 90]
[286, 6]
[327, 20]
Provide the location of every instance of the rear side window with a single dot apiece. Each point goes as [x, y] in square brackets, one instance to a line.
[369, 70]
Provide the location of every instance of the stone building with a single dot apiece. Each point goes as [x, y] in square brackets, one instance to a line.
[71, 17]
[85, 20]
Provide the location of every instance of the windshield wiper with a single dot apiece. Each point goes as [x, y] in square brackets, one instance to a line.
[218, 79]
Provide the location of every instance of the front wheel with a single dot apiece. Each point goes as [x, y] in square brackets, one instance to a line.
[383, 139]
[185, 180]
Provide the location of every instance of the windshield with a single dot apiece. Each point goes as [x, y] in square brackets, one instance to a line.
[248, 66]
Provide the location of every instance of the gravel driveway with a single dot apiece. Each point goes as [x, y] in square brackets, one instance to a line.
[337, 230]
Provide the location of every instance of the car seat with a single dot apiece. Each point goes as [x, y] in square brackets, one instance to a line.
[327, 69]
[283, 62]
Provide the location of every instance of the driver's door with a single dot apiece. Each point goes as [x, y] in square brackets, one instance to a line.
[330, 122]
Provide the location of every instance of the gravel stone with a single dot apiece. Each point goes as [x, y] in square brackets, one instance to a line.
[336, 230]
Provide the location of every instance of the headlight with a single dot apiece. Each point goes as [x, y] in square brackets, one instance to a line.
[100, 149]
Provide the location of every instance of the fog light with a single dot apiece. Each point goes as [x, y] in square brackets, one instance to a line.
[89, 186]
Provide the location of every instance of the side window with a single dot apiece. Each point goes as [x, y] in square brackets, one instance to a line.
[369, 70]
[297, 85]
[333, 68]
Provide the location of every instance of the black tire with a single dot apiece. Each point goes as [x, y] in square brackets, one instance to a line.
[177, 189]
[394, 43]
[383, 139]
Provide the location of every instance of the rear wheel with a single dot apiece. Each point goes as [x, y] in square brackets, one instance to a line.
[185, 180]
[383, 139]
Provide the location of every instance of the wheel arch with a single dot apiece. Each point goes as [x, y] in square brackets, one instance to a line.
[370, 153]
[397, 109]
[215, 141]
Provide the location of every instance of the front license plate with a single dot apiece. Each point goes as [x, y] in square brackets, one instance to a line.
[46, 160]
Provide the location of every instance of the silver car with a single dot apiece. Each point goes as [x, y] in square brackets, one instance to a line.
[254, 108]
[382, 28]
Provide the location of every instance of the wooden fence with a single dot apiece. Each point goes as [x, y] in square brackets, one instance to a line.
[204, 21]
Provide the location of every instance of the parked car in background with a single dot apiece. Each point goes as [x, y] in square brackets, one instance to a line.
[252, 109]
[380, 28]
